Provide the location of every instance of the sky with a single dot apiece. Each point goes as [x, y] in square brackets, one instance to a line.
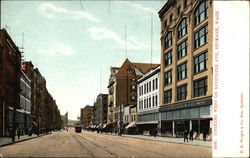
[74, 43]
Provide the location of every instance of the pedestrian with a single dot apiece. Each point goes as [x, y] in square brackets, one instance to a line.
[155, 132]
[18, 132]
[191, 133]
[185, 135]
[204, 135]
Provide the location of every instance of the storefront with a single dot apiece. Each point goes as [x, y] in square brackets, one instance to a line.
[193, 115]
[147, 122]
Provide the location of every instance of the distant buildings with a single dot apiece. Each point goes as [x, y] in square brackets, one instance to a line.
[65, 120]
[25, 103]
[100, 111]
[87, 116]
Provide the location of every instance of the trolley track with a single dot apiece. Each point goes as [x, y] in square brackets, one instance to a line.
[123, 145]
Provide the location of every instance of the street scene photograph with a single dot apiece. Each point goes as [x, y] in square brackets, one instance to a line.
[112, 78]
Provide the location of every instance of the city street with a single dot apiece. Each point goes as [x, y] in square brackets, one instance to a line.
[91, 144]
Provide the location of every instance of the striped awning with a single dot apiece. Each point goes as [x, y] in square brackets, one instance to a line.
[131, 124]
[147, 122]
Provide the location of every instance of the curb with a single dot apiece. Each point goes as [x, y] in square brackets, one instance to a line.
[18, 141]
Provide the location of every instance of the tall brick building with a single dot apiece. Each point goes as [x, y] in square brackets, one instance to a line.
[186, 67]
[123, 91]
[86, 115]
[10, 71]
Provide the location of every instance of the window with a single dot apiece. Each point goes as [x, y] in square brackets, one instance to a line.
[145, 89]
[201, 12]
[156, 83]
[182, 28]
[149, 101]
[200, 87]
[185, 4]
[182, 71]
[144, 103]
[149, 86]
[178, 10]
[153, 84]
[133, 79]
[156, 100]
[167, 96]
[181, 92]
[168, 78]
[153, 100]
[182, 49]
[133, 88]
[168, 58]
[129, 71]
[168, 40]
[200, 63]
[200, 37]
[170, 18]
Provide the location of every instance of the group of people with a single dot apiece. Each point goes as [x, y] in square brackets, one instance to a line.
[191, 133]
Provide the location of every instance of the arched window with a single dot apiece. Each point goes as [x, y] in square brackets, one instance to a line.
[168, 40]
[200, 13]
[182, 28]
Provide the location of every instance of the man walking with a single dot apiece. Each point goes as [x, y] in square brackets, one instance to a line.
[191, 133]
[185, 135]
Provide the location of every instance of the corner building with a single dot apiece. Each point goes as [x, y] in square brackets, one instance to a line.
[186, 67]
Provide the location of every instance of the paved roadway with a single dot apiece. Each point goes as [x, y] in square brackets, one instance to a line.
[89, 144]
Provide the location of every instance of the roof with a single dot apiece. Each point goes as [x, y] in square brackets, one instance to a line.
[165, 8]
[138, 68]
[145, 67]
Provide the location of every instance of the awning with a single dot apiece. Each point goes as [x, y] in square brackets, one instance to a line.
[34, 123]
[147, 122]
[206, 117]
[131, 124]
[104, 125]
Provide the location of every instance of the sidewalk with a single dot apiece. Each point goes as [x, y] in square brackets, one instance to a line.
[8, 140]
[169, 139]
[172, 140]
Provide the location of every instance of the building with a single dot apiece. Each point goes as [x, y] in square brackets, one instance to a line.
[10, 72]
[148, 102]
[123, 91]
[186, 67]
[100, 110]
[24, 113]
[64, 120]
[111, 97]
[86, 115]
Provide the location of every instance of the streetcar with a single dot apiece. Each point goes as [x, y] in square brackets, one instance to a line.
[78, 128]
